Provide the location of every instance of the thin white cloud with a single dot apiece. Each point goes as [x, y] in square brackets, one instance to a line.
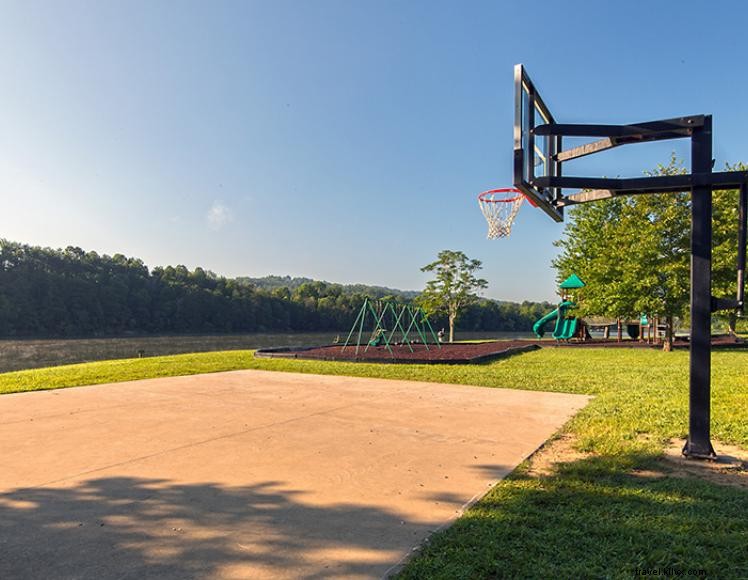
[219, 215]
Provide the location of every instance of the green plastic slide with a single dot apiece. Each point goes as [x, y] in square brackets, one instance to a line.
[539, 327]
[565, 327]
[568, 328]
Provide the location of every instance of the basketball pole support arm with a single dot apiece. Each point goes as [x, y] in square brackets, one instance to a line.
[701, 182]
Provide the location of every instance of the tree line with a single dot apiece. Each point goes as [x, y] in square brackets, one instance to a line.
[69, 292]
[273, 282]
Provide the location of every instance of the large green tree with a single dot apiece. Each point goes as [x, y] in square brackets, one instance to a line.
[634, 252]
[594, 246]
[453, 287]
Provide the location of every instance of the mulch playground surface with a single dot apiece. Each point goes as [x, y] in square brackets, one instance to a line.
[461, 353]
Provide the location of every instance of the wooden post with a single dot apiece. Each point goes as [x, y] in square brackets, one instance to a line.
[620, 329]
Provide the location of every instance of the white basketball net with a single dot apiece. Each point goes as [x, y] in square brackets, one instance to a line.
[500, 208]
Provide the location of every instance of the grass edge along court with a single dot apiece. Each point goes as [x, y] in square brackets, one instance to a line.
[617, 510]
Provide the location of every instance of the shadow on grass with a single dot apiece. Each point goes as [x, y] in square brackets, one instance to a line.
[594, 518]
[125, 527]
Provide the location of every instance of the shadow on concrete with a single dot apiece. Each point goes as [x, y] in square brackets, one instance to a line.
[493, 471]
[125, 527]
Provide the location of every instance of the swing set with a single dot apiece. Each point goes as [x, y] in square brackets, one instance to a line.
[388, 323]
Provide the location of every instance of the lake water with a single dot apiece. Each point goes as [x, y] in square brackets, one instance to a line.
[28, 354]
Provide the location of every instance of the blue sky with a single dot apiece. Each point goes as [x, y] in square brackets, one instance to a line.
[340, 140]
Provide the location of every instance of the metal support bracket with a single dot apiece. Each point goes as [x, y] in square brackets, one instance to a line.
[666, 128]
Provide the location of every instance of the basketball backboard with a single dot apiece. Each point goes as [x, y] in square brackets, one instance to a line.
[534, 155]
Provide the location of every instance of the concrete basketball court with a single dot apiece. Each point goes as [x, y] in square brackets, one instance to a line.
[250, 474]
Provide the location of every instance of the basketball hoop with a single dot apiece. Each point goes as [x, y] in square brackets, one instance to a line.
[500, 208]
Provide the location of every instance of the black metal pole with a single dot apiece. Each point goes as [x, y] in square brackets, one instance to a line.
[742, 215]
[699, 444]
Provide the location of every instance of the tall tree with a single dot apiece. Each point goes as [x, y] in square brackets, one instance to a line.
[453, 287]
[595, 246]
[634, 252]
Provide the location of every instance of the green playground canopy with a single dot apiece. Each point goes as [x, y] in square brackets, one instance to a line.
[572, 282]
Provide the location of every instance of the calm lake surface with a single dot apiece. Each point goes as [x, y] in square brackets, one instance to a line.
[29, 354]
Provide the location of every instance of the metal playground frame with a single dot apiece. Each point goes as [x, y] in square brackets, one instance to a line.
[387, 323]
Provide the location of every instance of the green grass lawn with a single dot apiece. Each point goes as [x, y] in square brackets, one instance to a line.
[594, 517]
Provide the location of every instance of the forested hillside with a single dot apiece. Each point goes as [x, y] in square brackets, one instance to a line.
[292, 283]
[71, 292]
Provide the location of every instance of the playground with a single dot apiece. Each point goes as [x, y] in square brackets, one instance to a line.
[390, 332]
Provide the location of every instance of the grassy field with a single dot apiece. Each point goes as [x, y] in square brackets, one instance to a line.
[594, 517]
